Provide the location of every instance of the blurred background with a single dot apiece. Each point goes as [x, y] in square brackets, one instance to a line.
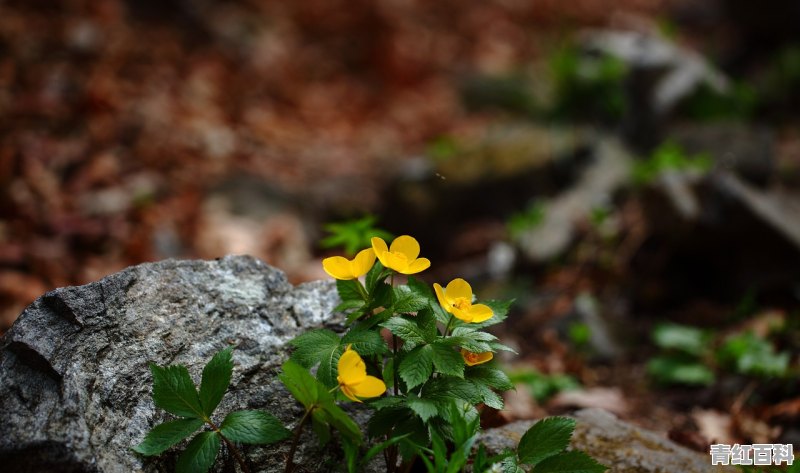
[629, 174]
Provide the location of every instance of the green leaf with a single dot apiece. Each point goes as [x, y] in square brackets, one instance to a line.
[365, 342]
[546, 438]
[381, 296]
[174, 391]
[253, 427]
[573, 461]
[447, 361]
[446, 388]
[352, 304]
[405, 300]
[341, 421]
[424, 408]
[421, 289]
[165, 435]
[489, 397]
[500, 309]
[348, 290]
[300, 383]
[405, 329]
[417, 366]
[374, 276]
[683, 338]
[200, 454]
[216, 379]
[510, 465]
[491, 377]
[319, 346]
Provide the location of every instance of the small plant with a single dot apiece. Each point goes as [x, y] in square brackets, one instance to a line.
[174, 391]
[669, 157]
[544, 386]
[353, 235]
[543, 447]
[528, 219]
[686, 356]
[691, 356]
[428, 348]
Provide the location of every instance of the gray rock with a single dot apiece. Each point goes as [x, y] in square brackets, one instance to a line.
[623, 447]
[74, 380]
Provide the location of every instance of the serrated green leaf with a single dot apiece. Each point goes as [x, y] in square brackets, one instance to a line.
[216, 379]
[426, 321]
[352, 304]
[348, 290]
[200, 454]
[174, 391]
[253, 427]
[447, 361]
[405, 329]
[500, 310]
[300, 383]
[381, 296]
[314, 346]
[424, 408]
[365, 342]
[491, 377]
[546, 438]
[467, 343]
[489, 397]
[447, 388]
[405, 300]
[319, 346]
[417, 366]
[573, 461]
[421, 289]
[165, 435]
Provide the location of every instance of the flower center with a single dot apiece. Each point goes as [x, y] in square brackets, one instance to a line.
[462, 303]
[471, 357]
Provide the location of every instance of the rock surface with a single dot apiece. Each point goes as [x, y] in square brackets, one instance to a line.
[74, 380]
[623, 447]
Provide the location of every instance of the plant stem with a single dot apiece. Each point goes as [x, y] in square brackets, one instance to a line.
[236, 453]
[295, 440]
[449, 322]
[362, 290]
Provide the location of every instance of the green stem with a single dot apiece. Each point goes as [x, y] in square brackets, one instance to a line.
[447, 328]
[362, 290]
[295, 440]
[236, 453]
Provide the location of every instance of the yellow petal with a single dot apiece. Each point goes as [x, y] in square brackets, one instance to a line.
[472, 359]
[370, 387]
[352, 369]
[406, 245]
[396, 261]
[381, 250]
[337, 267]
[461, 314]
[459, 288]
[363, 262]
[417, 266]
[349, 393]
[442, 298]
[480, 313]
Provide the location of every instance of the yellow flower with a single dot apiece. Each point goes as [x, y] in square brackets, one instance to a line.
[401, 256]
[472, 359]
[353, 377]
[340, 267]
[456, 298]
